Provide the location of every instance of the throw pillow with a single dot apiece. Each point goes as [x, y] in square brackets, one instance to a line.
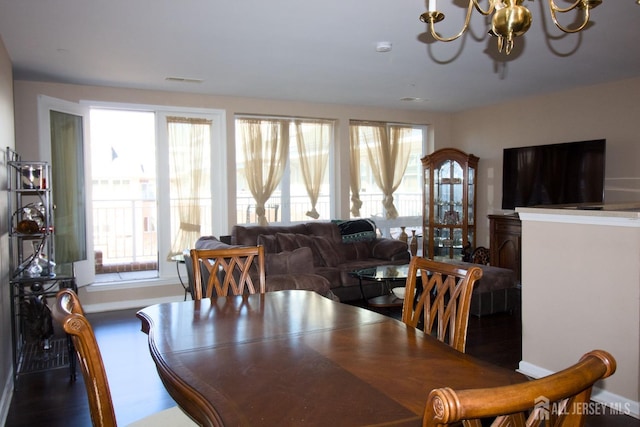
[298, 261]
[290, 242]
[307, 241]
[269, 242]
[287, 241]
[357, 230]
[301, 261]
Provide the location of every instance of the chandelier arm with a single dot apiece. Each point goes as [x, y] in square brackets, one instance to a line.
[457, 36]
[555, 9]
[489, 11]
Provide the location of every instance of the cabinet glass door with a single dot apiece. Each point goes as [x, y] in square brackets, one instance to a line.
[450, 200]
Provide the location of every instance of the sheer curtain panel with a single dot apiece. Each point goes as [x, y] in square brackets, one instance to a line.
[388, 150]
[189, 148]
[265, 146]
[354, 145]
[313, 148]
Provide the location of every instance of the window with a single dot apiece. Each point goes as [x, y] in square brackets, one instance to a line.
[386, 173]
[282, 169]
[122, 158]
[141, 219]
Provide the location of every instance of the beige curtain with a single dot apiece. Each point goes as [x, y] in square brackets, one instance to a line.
[388, 150]
[312, 139]
[189, 176]
[354, 167]
[265, 145]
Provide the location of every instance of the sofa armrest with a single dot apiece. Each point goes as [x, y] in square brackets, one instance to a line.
[211, 242]
[390, 249]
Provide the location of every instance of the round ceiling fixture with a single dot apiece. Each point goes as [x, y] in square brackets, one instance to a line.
[383, 47]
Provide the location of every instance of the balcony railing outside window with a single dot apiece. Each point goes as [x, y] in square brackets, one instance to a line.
[408, 204]
[125, 235]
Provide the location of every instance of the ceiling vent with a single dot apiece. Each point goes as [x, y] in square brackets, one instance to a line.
[183, 80]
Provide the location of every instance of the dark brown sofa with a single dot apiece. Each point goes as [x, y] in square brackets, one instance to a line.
[288, 272]
[302, 256]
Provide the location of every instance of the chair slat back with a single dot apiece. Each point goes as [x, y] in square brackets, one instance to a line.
[68, 312]
[557, 400]
[444, 300]
[231, 271]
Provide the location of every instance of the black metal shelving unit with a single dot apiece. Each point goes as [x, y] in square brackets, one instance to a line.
[35, 277]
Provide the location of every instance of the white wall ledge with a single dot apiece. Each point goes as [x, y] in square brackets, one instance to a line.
[625, 215]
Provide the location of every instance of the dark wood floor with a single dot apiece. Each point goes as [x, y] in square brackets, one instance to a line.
[50, 399]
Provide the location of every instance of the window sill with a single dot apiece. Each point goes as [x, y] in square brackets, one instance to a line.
[131, 283]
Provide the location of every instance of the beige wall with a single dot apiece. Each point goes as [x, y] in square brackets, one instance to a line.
[580, 292]
[580, 286]
[608, 111]
[6, 140]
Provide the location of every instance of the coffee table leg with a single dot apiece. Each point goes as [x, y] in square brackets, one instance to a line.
[364, 299]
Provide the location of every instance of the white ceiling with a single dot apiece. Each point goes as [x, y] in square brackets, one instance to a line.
[316, 51]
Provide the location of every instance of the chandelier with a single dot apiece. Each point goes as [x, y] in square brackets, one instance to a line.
[510, 19]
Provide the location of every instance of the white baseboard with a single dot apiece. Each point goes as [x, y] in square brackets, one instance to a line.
[127, 304]
[5, 400]
[614, 401]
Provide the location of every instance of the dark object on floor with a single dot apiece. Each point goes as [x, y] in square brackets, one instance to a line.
[37, 319]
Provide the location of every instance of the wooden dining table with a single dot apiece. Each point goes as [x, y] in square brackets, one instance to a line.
[295, 358]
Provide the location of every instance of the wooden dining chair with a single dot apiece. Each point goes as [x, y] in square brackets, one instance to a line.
[68, 312]
[560, 399]
[438, 296]
[229, 271]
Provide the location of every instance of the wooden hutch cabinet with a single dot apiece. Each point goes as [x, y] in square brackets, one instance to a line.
[449, 203]
[506, 242]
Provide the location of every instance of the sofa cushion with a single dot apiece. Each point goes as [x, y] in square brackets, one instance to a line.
[290, 242]
[330, 252]
[357, 230]
[328, 230]
[356, 251]
[298, 261]
[390, 249]
[287, 241]
[307, 281]
[248, 234]
[269, 242]
[493, 278]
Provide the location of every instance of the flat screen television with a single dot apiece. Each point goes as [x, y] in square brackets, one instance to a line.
[556, 174]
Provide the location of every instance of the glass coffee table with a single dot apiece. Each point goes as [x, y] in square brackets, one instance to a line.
[387, 275]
